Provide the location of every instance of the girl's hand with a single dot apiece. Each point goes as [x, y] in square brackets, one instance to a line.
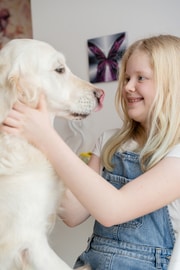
[26, 122]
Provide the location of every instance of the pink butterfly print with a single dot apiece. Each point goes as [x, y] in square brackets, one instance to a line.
[107, 66]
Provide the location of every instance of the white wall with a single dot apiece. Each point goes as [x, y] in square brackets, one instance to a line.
[67, 24]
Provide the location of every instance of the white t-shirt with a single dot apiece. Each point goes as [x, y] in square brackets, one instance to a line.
[174, 207]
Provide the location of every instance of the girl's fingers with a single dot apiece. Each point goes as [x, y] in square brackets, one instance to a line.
[19, 107]
[23, 108]
[24, 121]
[13, 119]
[42, 105]
[10, 121]
[10, 130]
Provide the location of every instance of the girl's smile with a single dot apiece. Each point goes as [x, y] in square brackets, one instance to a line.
[132, 100]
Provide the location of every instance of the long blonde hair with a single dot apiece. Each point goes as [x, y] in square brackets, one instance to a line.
[164, 116]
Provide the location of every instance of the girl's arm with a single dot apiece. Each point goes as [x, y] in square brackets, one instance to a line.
[151, 191]
[72, 211]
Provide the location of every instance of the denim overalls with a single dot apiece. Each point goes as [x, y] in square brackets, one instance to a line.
[145, 243]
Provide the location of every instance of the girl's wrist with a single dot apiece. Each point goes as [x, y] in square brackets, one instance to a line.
[45, 143]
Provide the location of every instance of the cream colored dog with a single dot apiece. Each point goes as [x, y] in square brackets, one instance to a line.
[30, 191]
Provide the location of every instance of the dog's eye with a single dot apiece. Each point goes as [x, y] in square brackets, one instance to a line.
[60, 70]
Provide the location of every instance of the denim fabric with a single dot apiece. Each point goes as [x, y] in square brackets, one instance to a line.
[144, 243]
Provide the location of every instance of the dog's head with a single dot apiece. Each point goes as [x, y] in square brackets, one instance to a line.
[29, 67]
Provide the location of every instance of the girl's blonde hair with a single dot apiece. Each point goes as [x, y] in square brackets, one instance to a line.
[164, 116]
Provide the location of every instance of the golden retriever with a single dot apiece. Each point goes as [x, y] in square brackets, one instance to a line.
[30, 191]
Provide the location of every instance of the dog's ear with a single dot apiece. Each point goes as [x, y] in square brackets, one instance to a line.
[19, 77]
[14, 86]
[8, 91]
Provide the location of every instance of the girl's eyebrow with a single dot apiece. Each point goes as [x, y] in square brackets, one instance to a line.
[144, 72]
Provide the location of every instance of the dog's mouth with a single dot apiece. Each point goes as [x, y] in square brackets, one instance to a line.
[87, 105]
[79, 116]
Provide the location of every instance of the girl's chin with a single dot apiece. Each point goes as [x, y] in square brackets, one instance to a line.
[136, 117]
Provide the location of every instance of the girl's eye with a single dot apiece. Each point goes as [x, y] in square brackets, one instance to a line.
[126, 80]
[141, 78]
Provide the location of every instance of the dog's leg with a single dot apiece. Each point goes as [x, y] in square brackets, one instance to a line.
[36, 256]
[86, 267]
[42, 257]
[48, 260]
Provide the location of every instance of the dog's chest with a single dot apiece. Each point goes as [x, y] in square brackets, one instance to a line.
[18, 156]
[28, 182]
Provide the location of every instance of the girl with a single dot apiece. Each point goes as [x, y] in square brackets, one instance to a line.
[136, 201]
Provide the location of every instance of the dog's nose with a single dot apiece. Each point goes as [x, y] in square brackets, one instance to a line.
[99, 94]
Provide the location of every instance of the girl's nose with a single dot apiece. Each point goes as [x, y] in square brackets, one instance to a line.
[130, 86]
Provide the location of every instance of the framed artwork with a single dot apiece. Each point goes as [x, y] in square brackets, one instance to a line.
[15, 20]
[104, 54]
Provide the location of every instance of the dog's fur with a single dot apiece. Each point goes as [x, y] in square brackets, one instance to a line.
[30, 191]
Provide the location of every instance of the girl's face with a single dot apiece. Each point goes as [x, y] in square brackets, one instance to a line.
[139, 88]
